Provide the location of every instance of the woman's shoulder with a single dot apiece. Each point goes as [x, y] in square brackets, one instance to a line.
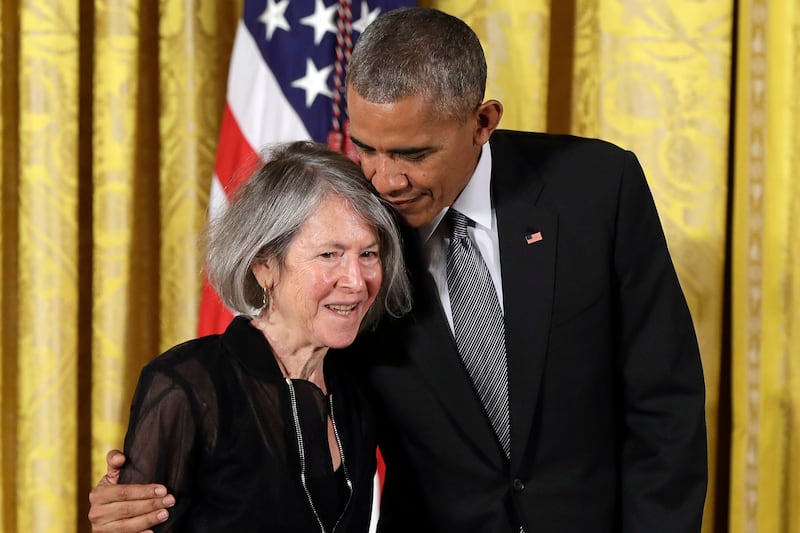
[201, 349]
[192, 364]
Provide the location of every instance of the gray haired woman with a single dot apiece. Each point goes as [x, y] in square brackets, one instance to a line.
[261, 428]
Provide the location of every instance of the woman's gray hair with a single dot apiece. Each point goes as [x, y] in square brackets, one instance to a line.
[419, 51]
[268, 210]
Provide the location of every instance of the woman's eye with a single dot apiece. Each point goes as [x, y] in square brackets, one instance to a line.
[370, 254]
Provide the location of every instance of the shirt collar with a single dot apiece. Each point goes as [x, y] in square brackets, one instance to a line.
[475, 201]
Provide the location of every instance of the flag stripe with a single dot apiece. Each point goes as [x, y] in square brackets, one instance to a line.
[233, 152]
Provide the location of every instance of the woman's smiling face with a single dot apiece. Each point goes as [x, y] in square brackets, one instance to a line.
[331, 276]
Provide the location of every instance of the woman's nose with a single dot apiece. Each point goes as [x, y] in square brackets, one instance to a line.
[351, 275]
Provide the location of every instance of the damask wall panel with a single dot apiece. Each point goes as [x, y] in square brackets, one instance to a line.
[195, 41]
[765, 488]
[5, 247]
[125, 219]
[48, 307]
[654, 77]
[515, 37]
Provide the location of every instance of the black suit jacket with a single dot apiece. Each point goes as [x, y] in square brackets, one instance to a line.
[605, 380]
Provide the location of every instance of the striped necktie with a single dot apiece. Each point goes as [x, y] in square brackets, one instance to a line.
[478, 325]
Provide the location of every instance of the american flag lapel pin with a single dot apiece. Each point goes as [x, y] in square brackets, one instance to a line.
[532, 238]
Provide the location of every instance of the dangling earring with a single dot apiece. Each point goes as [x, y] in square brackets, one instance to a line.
[264, 296]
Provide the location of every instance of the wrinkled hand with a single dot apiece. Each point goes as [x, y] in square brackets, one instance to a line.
[126, 508]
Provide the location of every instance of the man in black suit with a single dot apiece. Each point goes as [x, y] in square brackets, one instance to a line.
[602, 377]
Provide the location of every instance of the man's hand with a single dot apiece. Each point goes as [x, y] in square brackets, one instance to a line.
[126, 508]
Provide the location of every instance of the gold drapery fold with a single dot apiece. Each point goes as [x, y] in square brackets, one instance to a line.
[6, 407]
[765, 486]
[192, 65]
[48, 275]
[122, 303]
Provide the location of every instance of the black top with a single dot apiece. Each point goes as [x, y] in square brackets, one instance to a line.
[215, 421]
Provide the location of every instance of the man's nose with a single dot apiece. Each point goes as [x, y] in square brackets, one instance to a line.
[387, 176]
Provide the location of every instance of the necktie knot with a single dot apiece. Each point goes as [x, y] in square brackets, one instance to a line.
[457, 223]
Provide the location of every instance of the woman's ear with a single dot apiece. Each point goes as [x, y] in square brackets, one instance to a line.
[487, 117]
[265, 274]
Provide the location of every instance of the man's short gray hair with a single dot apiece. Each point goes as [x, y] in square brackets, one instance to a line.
[418, 51]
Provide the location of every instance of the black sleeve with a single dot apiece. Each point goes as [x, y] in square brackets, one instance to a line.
[162, 439]
[664, 463]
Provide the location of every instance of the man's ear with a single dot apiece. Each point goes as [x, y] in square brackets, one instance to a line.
[487, 116]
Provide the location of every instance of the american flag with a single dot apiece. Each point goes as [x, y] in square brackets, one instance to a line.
[285, 83]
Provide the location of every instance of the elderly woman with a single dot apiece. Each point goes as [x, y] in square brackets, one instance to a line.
[259, 428]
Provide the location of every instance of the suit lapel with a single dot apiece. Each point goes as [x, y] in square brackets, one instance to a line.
[432, 349]
[528, 237]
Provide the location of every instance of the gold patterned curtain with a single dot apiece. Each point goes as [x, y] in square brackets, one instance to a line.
[110, 111]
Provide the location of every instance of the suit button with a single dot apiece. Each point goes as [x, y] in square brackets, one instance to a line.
[518, 485]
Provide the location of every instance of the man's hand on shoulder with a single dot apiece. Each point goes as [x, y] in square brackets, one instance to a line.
[119, 508]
